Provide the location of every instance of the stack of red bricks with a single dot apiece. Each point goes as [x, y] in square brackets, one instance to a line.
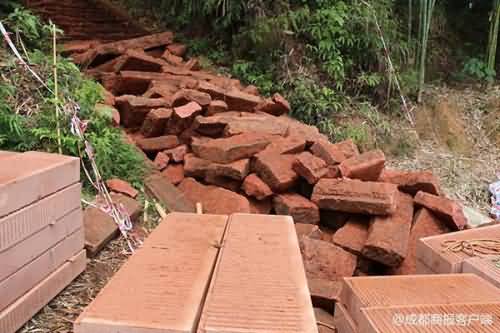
[445, 303]
[41, 232]
[232, 150]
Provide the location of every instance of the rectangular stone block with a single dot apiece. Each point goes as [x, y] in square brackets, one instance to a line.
[30, 176]
[169, 274]
[24, 252]
[488, 268]
[446, 209]
[355, 196]
[432, 251]
[30, 275]
[405, 290]
[259, 284]
[29, 220]
[343, 321]
[367, 166]
[353, 235]
[452, 318]
[18, 313]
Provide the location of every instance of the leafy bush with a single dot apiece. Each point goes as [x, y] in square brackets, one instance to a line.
[27, 110]
[477, 69]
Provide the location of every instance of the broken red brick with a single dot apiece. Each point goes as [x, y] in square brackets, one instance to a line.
[161, 161]
[355, 196]
[276, 171]
[412, 182]
[255, 187]
[301, 209]
[214, 200]
[227, 150]
[156, 122]
[367, 166]
[177, 154]
[157, 144]
[121, 186]
[449, 211]
[319, 255]
[388, 236]
[174, 173]
[353, 235]
[216, 107]
[310, 167]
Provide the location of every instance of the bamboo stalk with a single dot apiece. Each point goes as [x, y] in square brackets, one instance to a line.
[56, 89]
[493, 35]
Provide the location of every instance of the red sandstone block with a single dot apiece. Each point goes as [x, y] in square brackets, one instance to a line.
[262, 207]
[134, 109]
[388, 236]
[177, 154]
[223, 182]
[324, 293]
[167, 299]
[255, 187]
[177, 49]
[412, 182]
[30, 275]
[308, 230]
[367, 166]
[330, 153]
[237, 170]
[343, 321]
[23, 309]
[386, 291]
[30, 176]
[121, 186]
[29, 220]
[276, 171]
[216, 107]
[156, 122]
[425, 224]
[157, 144]
[487, 268]
[310, 167]
[448, 210]
[432, 251]
[24, 252]
[454, 318]
[299, 208]
[195, 167]
[174, 173]
[353, 235]
[187, 96]
[161, 161]
[248, 292]
[354, 196]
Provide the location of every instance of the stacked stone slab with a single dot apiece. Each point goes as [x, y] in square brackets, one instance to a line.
[234, 151]
[417, 303]
[208, 273]
[41, 232]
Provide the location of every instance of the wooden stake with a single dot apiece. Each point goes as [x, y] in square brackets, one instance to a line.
[56, 90]
[199, 208]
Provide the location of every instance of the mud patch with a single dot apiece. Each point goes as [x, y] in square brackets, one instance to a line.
[442, 121]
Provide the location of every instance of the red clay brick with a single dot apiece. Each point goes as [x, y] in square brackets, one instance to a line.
[447, 210]
[367, 166]
[24, 308]
[168, 299]
[30, 176]
[276, 171]
[486, 267]
[30, 275]
[354, 196]
[425, 224]
[377, 320]
[255, 187]
[324, 293]
[121, 186]
[174, 173]
[432, 252]
[388, 236]
[310, 167]
[253, 246]
[155, 122]
[353, 235]
[299, 208]
[227, 150]
[29, 220]
[214, 200]
[412, 182]
[319, 255]
[407, 290]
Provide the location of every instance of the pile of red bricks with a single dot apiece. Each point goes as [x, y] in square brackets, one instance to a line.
[232, 150]
[41, 232]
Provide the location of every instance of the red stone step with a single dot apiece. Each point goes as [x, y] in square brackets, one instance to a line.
[162, 286]
[452, 318]
[31, 176]
[384, 291]
[19, 312]
[259, 284]
[431, 251]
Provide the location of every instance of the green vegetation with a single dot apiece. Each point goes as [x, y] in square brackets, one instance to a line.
[27, 110]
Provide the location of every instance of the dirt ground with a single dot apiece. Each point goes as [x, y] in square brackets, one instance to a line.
[457, 136]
